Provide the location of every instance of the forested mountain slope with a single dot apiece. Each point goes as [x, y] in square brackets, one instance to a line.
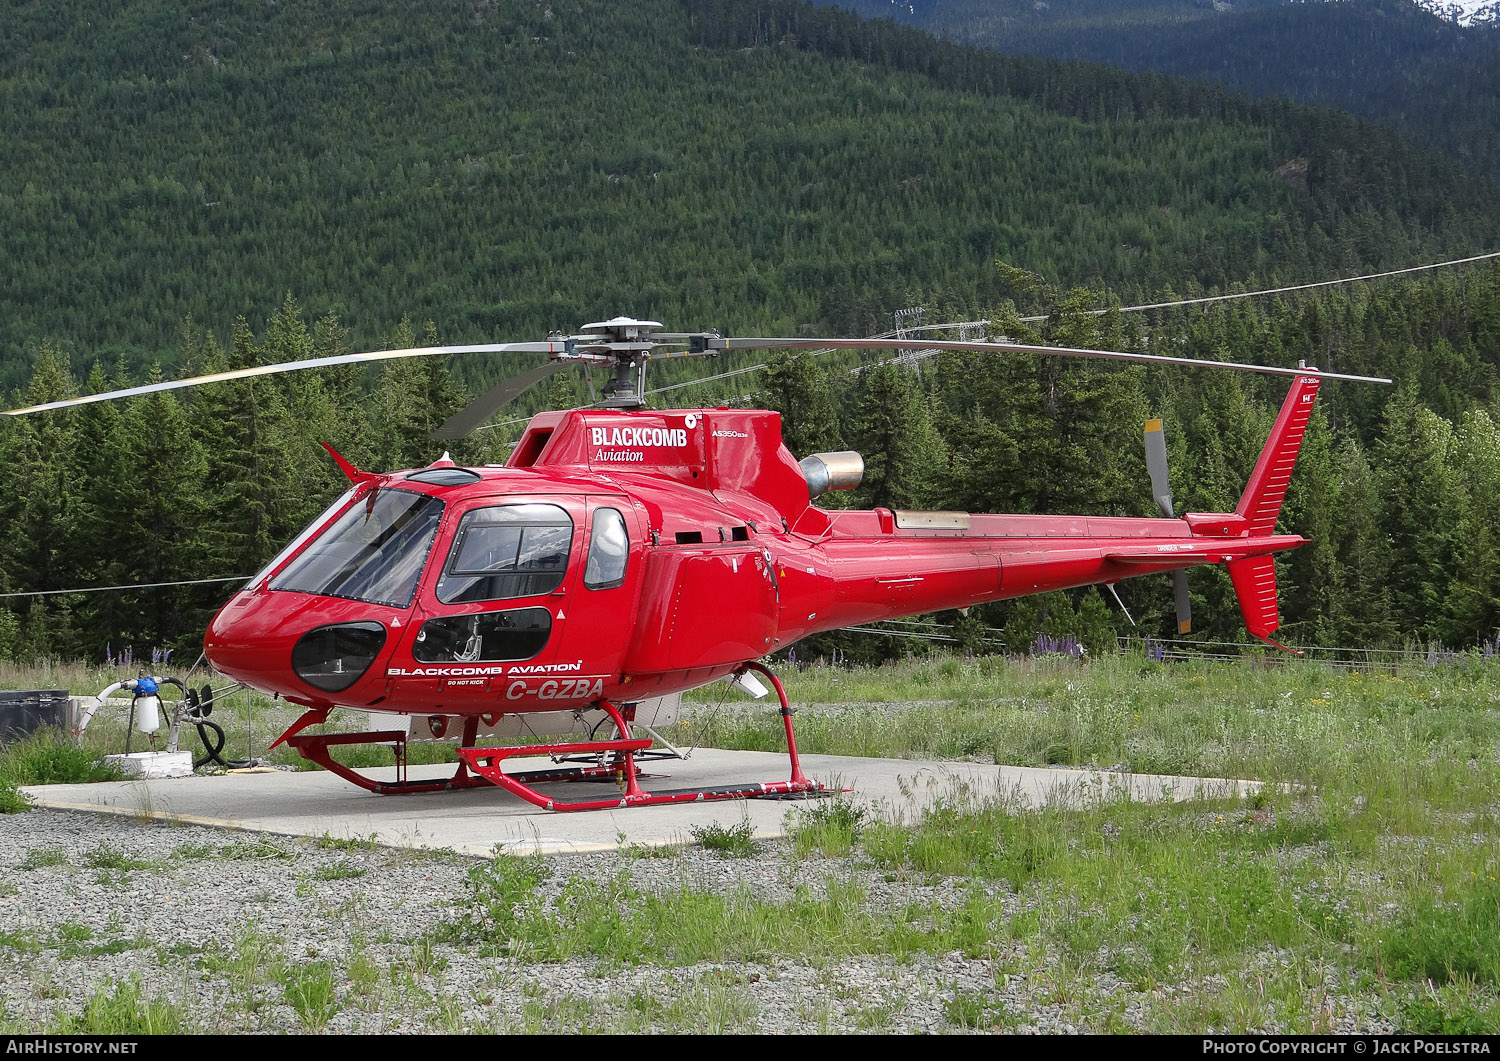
[1389, 60]
[507, 167]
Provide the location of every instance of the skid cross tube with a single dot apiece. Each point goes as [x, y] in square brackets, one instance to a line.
[486, 763]
[314, 747]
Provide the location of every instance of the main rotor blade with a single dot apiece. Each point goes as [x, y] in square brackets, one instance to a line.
[1021, 348]
[296, 366]
[487, 404]
[1156, 467]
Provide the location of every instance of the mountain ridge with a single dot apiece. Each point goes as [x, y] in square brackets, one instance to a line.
[1464, 12]
[1433, 77]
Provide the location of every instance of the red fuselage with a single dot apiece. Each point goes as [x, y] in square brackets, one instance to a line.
[626, 555]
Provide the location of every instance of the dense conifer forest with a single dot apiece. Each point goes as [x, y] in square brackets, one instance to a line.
[475, 171]
[505, 168]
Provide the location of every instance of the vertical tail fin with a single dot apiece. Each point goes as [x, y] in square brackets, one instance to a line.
[1254, 577]
[1264, 493]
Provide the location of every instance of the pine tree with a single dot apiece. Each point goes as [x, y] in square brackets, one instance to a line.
[317, 408]
[241, 426]
[413, 397]
[1359, 605]
[1473, 605]
[1421, 500]
[797, 387]
[1311, 510]
[158, 517]
[893, 427]
[40, 501]
[102, 471]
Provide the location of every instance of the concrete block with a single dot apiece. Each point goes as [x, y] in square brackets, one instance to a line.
[152, 765]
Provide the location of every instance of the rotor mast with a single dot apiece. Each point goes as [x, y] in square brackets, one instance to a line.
[625, 343]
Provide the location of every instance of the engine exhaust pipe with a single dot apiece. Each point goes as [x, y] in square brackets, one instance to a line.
[843, 470]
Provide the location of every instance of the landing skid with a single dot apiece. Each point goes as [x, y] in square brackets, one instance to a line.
[611, 760]
[315, 748]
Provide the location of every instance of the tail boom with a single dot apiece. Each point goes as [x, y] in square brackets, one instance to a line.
[878, 564]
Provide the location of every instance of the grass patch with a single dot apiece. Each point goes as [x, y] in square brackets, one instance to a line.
[830, 828]
[616, 921]
[44, 858]
[123, 1011]
[975, 1010]
[309, 989]
[364, 978]
[23, 940]
[262, 848]
[196, 852]
[424, 958]
[73, 946]
[734, 841]
[504, 892]
[12, 799]
[252, 959]
[1448, 940]
[338, 871]
[1448, 1012]
[49, 757]
[106, 857]
[633, 851]
[329, 842]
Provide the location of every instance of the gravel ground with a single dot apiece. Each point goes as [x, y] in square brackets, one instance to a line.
[217, 924]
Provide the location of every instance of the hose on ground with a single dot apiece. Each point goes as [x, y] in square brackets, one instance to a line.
[197, 713]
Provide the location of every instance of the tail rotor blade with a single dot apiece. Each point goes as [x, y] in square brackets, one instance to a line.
[1156, 465]
[1161, 490]
[1184, 602]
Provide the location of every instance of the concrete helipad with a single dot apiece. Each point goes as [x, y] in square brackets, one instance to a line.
[476, 821]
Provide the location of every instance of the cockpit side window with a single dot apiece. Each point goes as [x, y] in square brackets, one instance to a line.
[507, 551]
[609, 549]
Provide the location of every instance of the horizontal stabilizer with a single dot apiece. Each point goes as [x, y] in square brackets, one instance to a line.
[1167, 555]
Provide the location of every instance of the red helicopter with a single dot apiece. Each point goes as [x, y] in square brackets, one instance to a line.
[623, 554]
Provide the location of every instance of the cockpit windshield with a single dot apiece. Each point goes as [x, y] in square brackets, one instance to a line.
[374, 552]
[301, 539]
